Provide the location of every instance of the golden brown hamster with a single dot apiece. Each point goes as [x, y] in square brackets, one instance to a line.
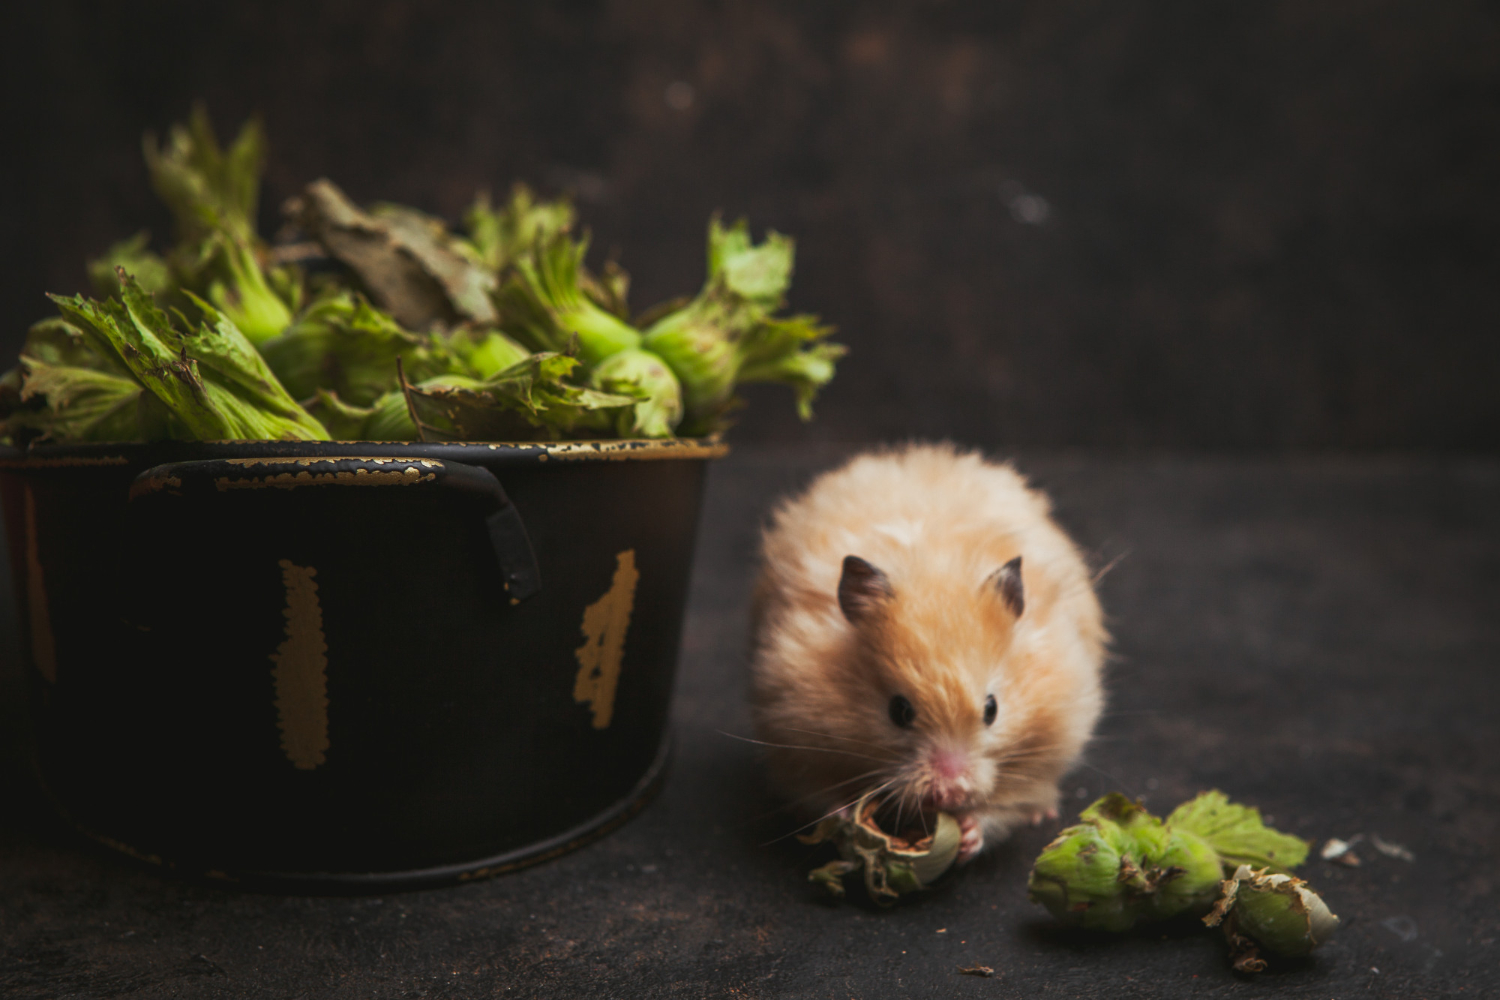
[922, 624]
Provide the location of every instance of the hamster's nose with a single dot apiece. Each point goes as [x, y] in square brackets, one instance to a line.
[948, 765]
[947, 786]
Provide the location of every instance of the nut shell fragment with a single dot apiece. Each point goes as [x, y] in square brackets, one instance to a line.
[892, 865]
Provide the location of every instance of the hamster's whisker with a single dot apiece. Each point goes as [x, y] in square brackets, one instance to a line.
[917, 808]
[874, 772]
[791, 746]
[875, 791]
[1109, 566]
[1028, 753]
[831, 736]
[866, 794]
[1017, 762]
[792, 803]
[1118, 783]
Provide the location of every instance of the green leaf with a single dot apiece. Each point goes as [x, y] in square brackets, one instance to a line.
[206, 188]
[212, 380]
[143, 338]
[543, 306]
[699, 344]
[1237, 833]
[391, 420]
[75, 404]
[639, 373]
[726, 335]
[791, 351]
[609, 290]
[484, 353]
[527, 402]
[246, 296]
[831, 876]
[212, 194]
[758, 273]
[344, 422]
[135, 256]
[498, 238]
[240, 380]
[344, 344]
[55, 341]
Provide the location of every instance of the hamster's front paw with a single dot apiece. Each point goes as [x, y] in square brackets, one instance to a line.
[972, 841]
[1043, 814]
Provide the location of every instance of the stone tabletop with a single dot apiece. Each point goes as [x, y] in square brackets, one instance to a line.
[1318, 636]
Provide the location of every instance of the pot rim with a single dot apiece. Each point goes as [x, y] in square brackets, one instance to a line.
[505, 453]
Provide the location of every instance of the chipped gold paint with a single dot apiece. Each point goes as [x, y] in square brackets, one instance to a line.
[246, 463]
[154, 484]
[301, 671]
[605, 623]
[644, 449]
[625, 451]
[43, 645]
[408, 476]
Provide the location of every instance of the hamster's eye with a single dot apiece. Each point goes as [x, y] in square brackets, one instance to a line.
[902, 712]
[990, 709]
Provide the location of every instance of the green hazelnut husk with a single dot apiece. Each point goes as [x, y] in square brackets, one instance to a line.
[1278, 912]
[1122, 865]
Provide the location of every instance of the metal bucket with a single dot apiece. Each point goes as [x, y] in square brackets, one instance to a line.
[351, 666]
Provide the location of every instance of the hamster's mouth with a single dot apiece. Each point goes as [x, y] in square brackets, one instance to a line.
[909, 827]
[954, 805]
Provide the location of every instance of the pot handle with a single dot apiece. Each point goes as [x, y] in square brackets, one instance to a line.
[457, 480]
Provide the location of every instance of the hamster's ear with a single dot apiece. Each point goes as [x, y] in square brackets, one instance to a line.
[1007, 583]
[862, 589]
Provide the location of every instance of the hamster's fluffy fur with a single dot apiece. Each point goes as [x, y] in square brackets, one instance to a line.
[938, 523]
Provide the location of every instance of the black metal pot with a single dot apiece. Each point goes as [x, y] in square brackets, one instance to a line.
[337, 666]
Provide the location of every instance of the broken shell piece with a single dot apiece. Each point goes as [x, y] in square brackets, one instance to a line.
[1279, 912]
[1244, 953]
[1340, 851]
[1391, 850]
[893, 864]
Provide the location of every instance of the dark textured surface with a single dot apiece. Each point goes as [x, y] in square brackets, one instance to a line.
[1268, 224]
[1315, 637]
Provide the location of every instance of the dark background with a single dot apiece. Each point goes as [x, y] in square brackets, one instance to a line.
[1175, 224]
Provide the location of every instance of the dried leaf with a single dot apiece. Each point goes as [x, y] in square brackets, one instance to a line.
[1391, 850]
[404, 260]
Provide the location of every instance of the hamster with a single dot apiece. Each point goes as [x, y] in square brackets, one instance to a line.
[922, 625]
